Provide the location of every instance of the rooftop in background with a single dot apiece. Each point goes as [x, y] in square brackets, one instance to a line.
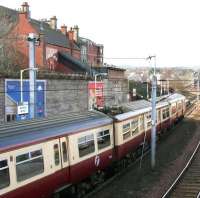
[113, 72]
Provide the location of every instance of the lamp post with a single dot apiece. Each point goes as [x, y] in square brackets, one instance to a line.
[21, 81]
[95, 83]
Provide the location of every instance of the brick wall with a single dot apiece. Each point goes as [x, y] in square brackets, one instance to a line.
[66, 96]
[21, 31]
[116, 74]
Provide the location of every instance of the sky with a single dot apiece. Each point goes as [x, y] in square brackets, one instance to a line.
[169, 29]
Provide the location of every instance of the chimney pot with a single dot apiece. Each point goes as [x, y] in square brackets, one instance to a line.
[64, 29]
[53, 22]
[25, 7]
[76, 33]
[25, 10]
[71, 35]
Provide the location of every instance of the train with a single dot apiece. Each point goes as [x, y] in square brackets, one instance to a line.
[76, 151]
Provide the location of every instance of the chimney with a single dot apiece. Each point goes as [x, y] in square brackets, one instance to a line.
[64, 29]
[76, 33]
[25, 9]
[71, 35]
[53, 22]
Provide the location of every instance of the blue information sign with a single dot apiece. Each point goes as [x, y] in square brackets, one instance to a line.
[13, 91]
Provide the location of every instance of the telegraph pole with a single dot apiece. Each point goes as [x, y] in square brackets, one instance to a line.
[153, 128]
[32, 74]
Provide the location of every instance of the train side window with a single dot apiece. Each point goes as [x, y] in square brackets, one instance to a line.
[148, 117]
[165, 113]
[4, 174]
[56, 154]
[134, 126]
[126, 131]
[29, 164]
[64, 151]
[179, 106]
[86, 145]
[158, 116]
[173, 109]
[141, 123]
[103, 139]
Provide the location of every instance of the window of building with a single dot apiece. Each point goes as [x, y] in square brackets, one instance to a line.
[64, 151]
[103, 139]
[10, 117]
[86, 145]
[56, 154]
[126, 131]
[134, 126]
[29, 164]
[4, 174]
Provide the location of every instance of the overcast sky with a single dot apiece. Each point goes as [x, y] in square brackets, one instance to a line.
[131, 28]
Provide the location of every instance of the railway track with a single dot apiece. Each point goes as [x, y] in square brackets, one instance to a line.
[91, 194]
[187, 184]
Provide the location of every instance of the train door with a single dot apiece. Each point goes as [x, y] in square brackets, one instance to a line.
[104, 154]
[64, 152]
[56, 163]
[5, 173]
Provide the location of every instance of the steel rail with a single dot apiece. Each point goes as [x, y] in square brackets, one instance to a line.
[172, 187]
[117, 175]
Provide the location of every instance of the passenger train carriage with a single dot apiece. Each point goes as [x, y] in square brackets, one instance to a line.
[41, 158]
[131, 127]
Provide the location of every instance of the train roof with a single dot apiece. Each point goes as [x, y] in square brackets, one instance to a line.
[27, 132]
[143, 106]
[161, 104]
[175, 97]
[133, 109]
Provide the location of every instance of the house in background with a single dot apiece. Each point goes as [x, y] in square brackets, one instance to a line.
[59, 50]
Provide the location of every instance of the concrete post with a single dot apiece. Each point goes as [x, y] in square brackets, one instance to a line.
[32, 74]
[153, 115]
[153, 129]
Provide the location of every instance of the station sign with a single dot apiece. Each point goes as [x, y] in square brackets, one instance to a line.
[22, 108]
[13, 103]
[96, 94]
